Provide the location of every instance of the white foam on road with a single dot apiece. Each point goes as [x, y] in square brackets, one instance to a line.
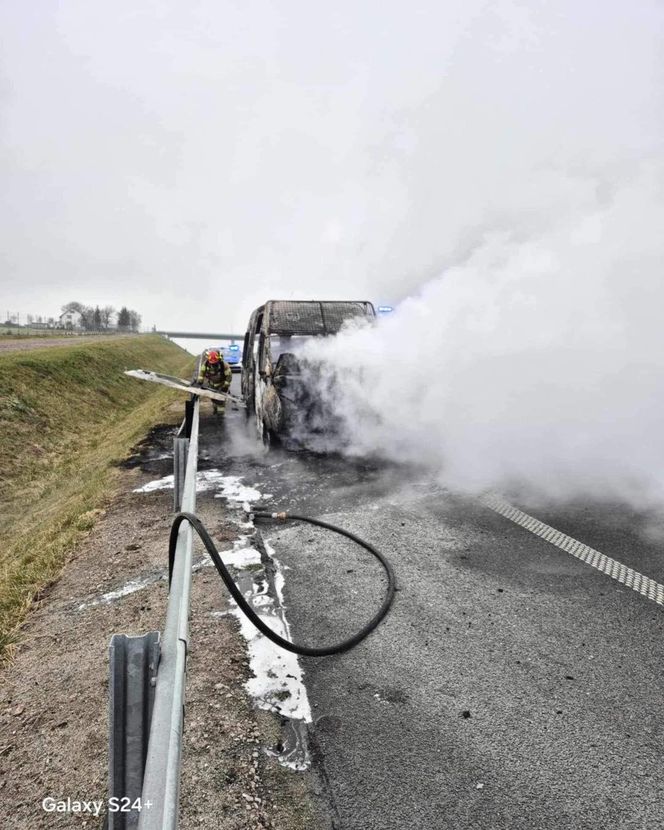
[165, 483]
[228, 487]
[277, 684]
[242, 555]
[233, 490]
[125, 590]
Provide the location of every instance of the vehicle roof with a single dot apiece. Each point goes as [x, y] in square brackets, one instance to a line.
[314, 316]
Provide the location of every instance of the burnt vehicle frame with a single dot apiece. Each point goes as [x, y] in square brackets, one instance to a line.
[273, 386]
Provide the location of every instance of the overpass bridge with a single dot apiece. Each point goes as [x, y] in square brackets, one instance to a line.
[194, 335]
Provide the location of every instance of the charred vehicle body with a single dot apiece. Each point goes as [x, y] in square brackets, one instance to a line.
[278, 386]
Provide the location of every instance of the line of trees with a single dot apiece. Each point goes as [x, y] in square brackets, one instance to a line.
[101, 318]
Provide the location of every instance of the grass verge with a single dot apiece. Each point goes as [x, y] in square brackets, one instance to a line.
[67, 417]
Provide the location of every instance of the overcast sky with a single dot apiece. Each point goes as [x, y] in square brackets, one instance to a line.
[191, 160]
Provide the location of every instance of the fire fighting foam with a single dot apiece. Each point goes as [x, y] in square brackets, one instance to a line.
[278, 682]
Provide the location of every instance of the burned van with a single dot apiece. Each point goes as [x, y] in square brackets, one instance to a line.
[275, 385]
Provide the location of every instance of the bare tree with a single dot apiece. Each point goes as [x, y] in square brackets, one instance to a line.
[73, 306]
[87, 317]
[107, 313]
[134, 320]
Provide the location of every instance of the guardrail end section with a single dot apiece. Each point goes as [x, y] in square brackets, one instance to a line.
[133, 672]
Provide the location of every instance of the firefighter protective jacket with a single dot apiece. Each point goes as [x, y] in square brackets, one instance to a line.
[215, 375]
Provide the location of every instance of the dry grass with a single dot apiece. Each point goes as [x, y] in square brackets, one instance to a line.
[66, 418]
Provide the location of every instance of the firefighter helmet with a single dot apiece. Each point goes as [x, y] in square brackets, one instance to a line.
[213, 356]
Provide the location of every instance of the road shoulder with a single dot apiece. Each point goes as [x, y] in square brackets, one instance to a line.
[53, 701]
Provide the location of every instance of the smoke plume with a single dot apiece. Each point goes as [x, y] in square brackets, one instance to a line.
[537, 360]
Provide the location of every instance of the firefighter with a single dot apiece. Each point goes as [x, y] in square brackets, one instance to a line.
[216, 374]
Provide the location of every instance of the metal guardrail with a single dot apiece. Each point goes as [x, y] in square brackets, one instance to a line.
[142, 704]
[161, 781]
[198, 335]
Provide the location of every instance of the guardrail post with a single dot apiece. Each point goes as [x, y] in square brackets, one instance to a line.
[133, 671]
[189, 415]
[180, 449]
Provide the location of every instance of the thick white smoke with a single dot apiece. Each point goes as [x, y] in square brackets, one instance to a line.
[538, 360]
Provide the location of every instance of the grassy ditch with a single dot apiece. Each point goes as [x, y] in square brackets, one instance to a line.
[67, 416]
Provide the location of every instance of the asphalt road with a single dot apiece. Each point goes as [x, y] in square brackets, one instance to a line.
[512, 686]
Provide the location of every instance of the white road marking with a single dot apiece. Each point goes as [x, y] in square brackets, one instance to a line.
[611, 567]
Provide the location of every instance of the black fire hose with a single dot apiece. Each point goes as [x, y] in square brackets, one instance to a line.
[224, 573]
